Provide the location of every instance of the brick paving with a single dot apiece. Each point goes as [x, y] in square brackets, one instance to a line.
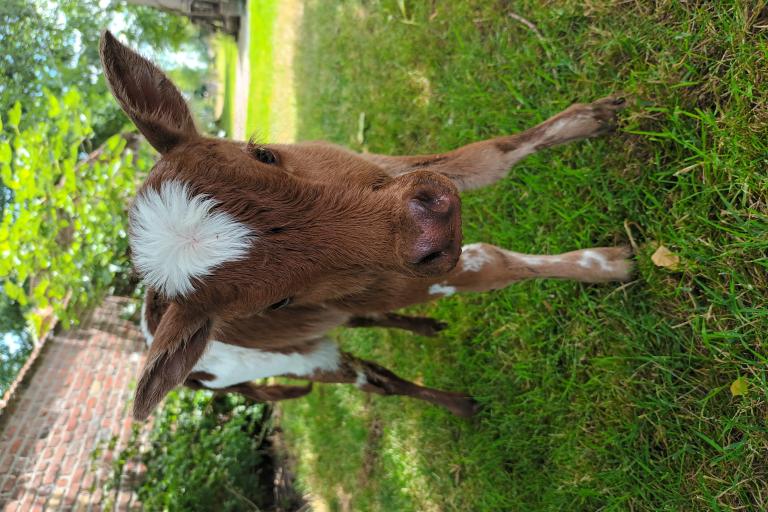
[71, 417]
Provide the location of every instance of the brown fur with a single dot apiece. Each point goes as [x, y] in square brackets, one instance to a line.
[348, 238]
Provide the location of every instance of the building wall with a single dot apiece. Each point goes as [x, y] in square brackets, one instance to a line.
[71, 416]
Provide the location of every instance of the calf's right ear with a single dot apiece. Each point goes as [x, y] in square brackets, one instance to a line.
[180, 341]
[150, 99]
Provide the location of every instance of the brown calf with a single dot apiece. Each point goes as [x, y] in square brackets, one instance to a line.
[251, 253]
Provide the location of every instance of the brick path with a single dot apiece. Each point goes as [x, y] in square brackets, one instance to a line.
[55, 451]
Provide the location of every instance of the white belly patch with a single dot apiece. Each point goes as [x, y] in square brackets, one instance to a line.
[232, 364]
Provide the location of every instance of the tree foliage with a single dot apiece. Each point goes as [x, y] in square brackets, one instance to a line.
[62, 235]
[66, 171]
[53, 47]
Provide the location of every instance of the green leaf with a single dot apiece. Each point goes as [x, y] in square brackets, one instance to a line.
[14, 115]
[72, 99]
[5, 152]
[739, 387]
[39, 292]
[15, 292]
[37, 324]
[54, 109]
[113, 142]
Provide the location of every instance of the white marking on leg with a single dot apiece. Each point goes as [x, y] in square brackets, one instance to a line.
[554, 129]
[361, 380]
[232, 364]
[474, 257]
[535, 261]
[587, 257]
[144, 327]
[518, 154]
[569, 128]
[176, 238]
[442, 289]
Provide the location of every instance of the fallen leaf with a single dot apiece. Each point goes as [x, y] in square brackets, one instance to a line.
[663, 257]
[739, 387]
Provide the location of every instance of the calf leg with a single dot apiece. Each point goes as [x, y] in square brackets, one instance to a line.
[366, 375]
[372, 378]
[424, 326]
[256, 392]
[482, 163]
[485, 267]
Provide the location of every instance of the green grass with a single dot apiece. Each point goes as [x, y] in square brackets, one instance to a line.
[262, 15]
[596, 397]
[225, 49]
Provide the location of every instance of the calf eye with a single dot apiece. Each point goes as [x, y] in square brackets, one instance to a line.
[281, 304]
[265, 156]
[262, 154]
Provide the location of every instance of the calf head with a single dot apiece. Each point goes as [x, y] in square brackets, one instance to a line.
[223, 229]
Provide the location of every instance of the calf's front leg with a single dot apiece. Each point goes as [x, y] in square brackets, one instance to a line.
[485, 267]
[483, 163]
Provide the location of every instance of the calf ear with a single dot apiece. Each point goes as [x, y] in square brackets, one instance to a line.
[180, 340]
[149, 97]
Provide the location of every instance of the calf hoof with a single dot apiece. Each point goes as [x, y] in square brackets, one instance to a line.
[464, 407]
[608, 264]
[429, 327]
[587, 120]
[605, 111]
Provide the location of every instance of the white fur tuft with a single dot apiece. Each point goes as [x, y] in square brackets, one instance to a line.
[176, 238]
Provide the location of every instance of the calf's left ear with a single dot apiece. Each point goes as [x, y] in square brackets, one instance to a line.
[180, 341]
[147, 95]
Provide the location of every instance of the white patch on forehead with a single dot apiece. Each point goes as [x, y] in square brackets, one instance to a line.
[176, 238]
[144, 327]
[442, 289]
[587, 257]
[474, 257]
[232, 364]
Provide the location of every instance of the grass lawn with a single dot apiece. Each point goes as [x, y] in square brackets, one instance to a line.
[261, 23]
[225, 49]
[595, 397]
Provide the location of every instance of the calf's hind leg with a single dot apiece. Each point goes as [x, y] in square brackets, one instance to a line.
[372, 378]
[422, 325]
[257, 392]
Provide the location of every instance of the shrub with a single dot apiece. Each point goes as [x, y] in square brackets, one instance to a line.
[205, 453]
[62, 233]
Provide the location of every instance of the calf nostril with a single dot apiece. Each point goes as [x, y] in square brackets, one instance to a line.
[429, 258]
[423, 197]
[435, 204]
